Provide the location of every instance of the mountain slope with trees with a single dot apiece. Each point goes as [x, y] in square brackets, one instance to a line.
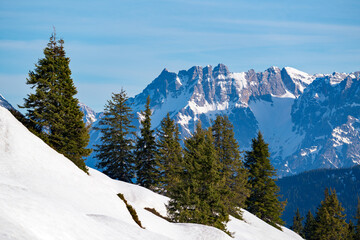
[302, 191]
[45, 196]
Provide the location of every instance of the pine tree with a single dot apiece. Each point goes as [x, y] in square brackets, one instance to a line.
[330, 220]
[351, 231]
[263, 201]
[169, 154]
[309, 227]
[197, 198]
[53, 109]
[117, 140]
[297, 223]
[147, 172]
[235, 191]
[357, 217]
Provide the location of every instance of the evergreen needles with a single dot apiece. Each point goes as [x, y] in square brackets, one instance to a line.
[145, 152]
[53, 110]
[197, 198]
[263, 200]
[117, 140]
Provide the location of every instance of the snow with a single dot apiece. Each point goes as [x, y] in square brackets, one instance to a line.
[208, 107]
[253, 83]
[90, 116]
[221, 77]
[304, 152]
[43, 195]
[339, 137]
[178, 80]
[183, 119]
[337, 78]
[287, 94]
[299, 75]
[240, 79]
[277, 128]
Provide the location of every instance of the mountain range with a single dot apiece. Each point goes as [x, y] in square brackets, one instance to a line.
[309, 121]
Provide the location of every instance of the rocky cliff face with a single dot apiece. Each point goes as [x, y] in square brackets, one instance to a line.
[309, 121]
[327, 114]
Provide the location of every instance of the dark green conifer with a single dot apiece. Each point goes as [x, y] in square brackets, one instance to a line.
[117, 139]
[169, 154]
[53, 109]
[236, 190]
[330, 219]
[147, 172]
[357, 217]
[263, 201]
[297, 223]
[351, 231]
[309, 227]
[197, 198]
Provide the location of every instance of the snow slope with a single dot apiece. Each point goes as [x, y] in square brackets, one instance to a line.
[274, 119]
[43, 195]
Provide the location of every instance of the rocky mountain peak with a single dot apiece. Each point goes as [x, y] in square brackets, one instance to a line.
[5, 103]
[299, 114]
[220, 69]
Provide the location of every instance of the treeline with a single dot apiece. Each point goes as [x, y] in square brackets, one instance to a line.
[302, 191]
[329, 221]
[206, 180]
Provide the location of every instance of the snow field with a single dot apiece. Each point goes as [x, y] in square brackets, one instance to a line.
[43, 195]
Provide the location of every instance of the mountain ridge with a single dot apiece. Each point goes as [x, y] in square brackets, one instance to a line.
[309, 121]
[268, 101]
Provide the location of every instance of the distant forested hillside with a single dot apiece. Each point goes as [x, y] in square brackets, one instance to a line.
[305, 191]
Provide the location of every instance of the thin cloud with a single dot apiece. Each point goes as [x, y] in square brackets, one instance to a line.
[304, 26]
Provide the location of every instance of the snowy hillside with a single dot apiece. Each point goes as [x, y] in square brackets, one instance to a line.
[43, 195]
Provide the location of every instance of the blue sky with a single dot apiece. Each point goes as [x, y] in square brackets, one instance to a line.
[127, 43]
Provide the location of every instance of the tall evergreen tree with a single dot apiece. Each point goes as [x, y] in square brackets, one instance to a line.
[236, 190]
[117, 139]
[53, 109]
[351, 231]
[263, 201]
[330, 219]
[147, 172]
[297, 223]
[197, 198]
[169, 154]
[309, 227]
[357, 217]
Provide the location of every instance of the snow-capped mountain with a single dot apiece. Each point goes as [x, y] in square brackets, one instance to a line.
[327, 114]
[5, 103]
[45, 196]
[309, 121]
[90, 116]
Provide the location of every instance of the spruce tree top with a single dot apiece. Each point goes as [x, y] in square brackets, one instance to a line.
[53, 109]
[263, 200]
